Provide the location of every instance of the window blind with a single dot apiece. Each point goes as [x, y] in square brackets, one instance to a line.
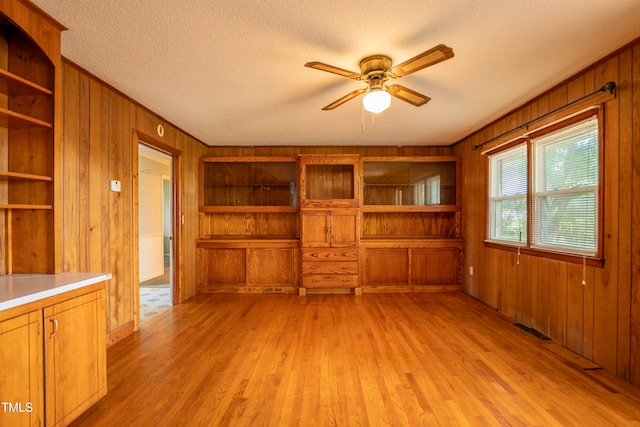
[508, 196]
[565, 189]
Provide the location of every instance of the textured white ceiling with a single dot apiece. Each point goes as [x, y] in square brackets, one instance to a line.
[231, 72]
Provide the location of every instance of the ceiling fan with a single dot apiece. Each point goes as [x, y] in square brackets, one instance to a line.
[377, 69]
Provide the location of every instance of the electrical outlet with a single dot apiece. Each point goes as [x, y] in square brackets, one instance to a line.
[470, 270]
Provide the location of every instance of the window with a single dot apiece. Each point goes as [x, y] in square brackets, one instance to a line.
[420, 193]
[544, 191]
[565, 189]
[508, 195]
[433, 190]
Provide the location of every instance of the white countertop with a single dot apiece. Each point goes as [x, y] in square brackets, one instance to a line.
[18, 289]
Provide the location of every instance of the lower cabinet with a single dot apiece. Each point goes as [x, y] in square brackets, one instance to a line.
[57, 357]
[21, 385]
[75, 357]
[412, 265]
[246, 265]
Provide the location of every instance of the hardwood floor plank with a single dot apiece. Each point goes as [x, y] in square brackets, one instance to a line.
[399, 360]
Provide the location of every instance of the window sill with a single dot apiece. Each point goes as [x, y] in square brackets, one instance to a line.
[557, 256]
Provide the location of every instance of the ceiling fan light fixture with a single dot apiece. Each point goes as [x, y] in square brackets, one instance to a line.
[376, 100]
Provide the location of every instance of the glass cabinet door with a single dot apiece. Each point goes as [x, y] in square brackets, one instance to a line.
[409, 183]
[248, 184]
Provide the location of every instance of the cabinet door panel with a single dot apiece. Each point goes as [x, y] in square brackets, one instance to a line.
[75, 363]
[21, 386]
[315, 229]
[270, 267]
[345, 229]
[387, 266]
[434, 266]
[221, 266]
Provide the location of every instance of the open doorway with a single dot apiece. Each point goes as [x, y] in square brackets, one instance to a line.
[155, 232]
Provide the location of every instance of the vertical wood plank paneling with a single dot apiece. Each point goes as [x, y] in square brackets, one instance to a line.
[557, 301]
[606, 297]
[128, 234]
[116, 211]
[625, 167]
[589, 320]
[524, 297]
[600, 320]
[95, 180]
[83, 174]
[104, 205]
[635, 227]
[70, 150]
[542, 297]
[512, 286]
[574, 308]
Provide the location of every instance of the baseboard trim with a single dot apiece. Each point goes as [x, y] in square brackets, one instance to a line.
[120, 333]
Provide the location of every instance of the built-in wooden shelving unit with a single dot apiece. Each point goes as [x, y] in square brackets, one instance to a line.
[29, 84]
[330, 223]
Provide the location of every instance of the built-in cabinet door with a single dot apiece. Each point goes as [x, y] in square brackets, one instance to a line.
[435, 266]
[21, 375]
[315, 229]
[345, 228]
[75, 356]
[336, 228]
[272, 267]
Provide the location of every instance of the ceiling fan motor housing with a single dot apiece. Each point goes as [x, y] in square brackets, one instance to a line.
[375, 67]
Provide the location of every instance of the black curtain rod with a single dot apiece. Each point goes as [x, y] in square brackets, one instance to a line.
[607, 87]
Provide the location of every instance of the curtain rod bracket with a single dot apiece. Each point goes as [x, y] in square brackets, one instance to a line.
[610, 87]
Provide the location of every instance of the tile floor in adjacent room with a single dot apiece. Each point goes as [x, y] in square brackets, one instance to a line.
[155, 297]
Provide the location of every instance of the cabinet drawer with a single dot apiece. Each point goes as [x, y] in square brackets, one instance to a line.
[329, 280]
[330, 267]
[330, 254]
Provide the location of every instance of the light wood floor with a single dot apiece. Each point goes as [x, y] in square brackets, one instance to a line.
[322, 360]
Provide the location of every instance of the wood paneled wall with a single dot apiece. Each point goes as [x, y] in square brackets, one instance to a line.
[362, 151]
[601, 320]
[99, 226]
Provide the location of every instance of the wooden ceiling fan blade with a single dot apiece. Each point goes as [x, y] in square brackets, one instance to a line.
[331, 69]
[425, 59]
[408, 95]
[344, 99]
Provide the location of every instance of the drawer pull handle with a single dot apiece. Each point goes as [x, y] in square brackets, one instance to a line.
[315, 255]
[347, 254]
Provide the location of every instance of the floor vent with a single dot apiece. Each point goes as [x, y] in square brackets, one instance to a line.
[532, 332]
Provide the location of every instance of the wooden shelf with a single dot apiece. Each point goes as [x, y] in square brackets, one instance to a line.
[11, 119]
[410, 208]
[14, 85]
[25, 207]
[257, 185]
[242, 209]
[6, 175]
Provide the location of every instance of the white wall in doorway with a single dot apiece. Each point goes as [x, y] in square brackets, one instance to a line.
[151, 213]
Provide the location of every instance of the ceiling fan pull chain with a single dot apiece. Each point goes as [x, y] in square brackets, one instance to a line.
[363, 119]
